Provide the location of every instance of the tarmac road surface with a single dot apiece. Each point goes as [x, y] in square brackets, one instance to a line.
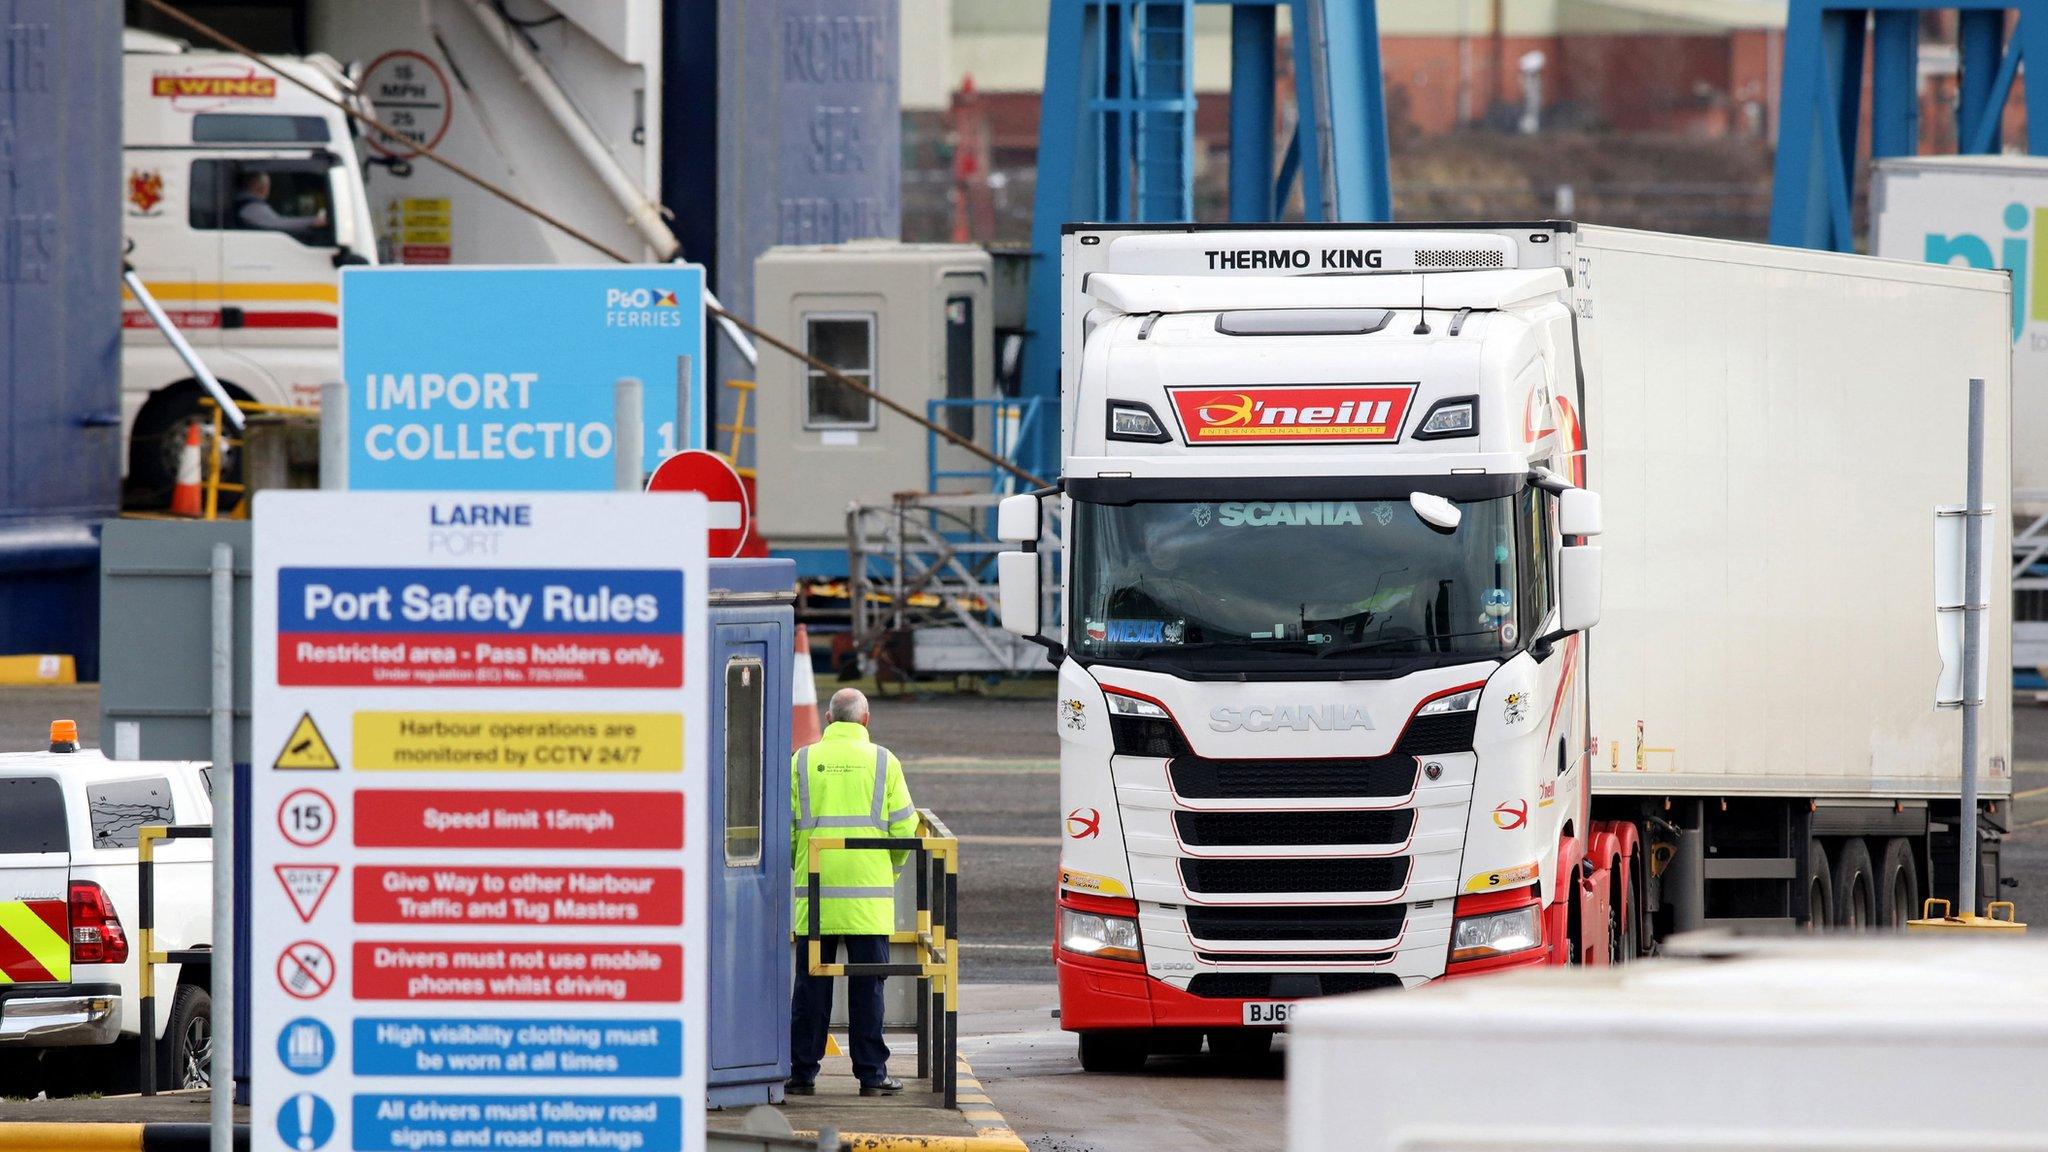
[988, 767]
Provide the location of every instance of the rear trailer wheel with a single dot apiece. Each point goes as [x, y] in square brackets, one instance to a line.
[1898, 885]
[1240, 1045]
[1114, 1052]
[1820, 888]
[185, 1055]
[1855, 886]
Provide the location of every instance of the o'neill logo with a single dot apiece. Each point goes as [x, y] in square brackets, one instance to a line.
[1291, 413]
[1084, 824]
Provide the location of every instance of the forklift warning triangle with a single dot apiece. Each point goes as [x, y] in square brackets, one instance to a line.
[307, 885]
[306, 748]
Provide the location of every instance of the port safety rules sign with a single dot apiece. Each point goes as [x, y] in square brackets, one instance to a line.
[479, 801]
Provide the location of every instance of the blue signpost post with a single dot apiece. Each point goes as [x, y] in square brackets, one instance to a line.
[502, 378]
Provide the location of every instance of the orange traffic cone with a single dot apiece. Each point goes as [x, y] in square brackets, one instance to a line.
[803, 714]
[185, 496]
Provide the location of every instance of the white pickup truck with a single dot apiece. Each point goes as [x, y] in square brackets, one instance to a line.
[70, 974]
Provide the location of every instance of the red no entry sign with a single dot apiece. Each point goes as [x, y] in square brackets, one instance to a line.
[696, 470]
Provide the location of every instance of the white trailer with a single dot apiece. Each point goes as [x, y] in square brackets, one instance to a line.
[1336, 499]
[1989, 212]
[1903, 1045]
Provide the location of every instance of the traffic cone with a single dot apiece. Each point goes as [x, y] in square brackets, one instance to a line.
[185, 496]
[803, 714]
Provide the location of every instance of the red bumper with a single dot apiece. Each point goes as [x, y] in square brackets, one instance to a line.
[1112, 994]
[1117, 994]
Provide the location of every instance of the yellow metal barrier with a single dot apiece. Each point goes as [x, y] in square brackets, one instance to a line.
[2006, 925]
[938, 967]
[145, 932]
[739, 429]
[214, 483]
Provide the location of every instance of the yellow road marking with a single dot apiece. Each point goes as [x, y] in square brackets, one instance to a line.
[2030, 793]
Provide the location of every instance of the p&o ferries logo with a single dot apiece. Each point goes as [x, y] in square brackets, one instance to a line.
[642, 308]
[1291, 413]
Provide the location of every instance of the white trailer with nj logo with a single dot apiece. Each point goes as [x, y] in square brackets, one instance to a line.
[1342, 507]
[1991, 212]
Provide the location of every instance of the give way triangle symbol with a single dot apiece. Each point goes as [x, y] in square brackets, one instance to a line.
[307, 885]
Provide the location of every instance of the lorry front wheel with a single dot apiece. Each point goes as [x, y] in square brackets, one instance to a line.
[157, 440]
[185, 1057]
[1855, 886]
[1114, 1052]
[1898, 885]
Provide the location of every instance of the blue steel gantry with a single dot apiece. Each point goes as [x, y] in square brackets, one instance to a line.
[1821, 105]
[1116, 136]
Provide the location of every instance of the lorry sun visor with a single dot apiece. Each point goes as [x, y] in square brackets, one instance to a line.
[1196, 489]
[1303, 322]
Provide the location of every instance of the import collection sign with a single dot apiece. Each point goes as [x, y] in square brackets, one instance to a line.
[501, 379]
[480, 791]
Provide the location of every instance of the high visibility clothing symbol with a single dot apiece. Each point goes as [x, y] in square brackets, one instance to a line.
[33, 944]
[306, 748]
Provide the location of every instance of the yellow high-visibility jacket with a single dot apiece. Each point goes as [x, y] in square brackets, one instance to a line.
[846, 785]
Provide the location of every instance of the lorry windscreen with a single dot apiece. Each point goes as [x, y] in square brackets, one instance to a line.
[1243, 585]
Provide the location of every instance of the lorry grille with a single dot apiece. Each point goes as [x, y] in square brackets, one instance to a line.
[1343, 922]
[1229, 829]
[1457, 258]
[1438, 735]
[1376, 874]
[1135, 736]
[1203, 779]
[1294, 957]
[1290, 985]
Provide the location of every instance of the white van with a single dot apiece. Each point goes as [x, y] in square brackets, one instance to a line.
[70, 964]
[243, 197]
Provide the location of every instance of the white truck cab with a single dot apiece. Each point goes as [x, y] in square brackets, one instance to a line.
[70, 976]
[242, 198]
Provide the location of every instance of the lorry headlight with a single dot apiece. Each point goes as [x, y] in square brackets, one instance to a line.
[1454, 416]
[1496, 933]
[1132, 706]
[1464, 701]
[1106, 937]
[1129, 420]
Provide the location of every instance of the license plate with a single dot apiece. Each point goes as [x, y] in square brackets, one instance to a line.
[1267, 1012]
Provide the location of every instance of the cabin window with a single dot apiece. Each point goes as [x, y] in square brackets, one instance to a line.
[846, 341]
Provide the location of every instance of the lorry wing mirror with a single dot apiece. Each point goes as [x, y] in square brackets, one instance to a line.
[1017, 585]
[1578, 512]
[1436, 511]
[1017, 520]
[1578, 587]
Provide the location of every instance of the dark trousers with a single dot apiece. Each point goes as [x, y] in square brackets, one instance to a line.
[810, 1011]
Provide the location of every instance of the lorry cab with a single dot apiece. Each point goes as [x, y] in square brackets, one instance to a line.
[1324, 558]
[242, 199]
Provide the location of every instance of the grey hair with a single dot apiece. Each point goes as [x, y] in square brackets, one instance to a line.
[848, 705]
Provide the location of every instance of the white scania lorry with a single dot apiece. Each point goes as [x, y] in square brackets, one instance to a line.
[1338, 505]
